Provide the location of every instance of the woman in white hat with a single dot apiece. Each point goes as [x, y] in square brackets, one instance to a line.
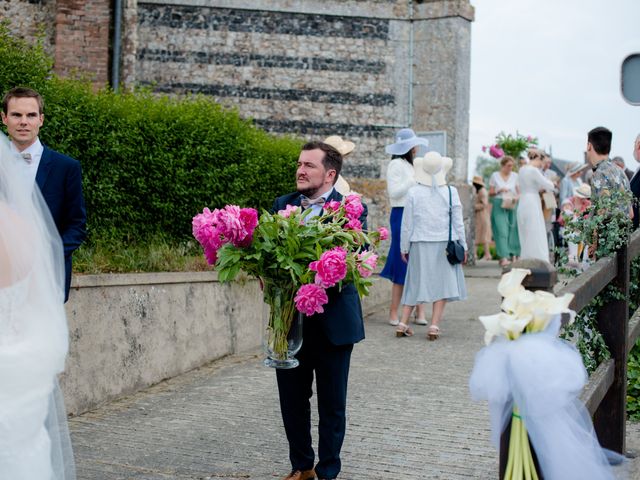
[345, 148]
[571, 181]
[400, 178]
[426, 226]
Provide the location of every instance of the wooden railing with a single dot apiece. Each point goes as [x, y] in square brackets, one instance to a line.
[606, 392]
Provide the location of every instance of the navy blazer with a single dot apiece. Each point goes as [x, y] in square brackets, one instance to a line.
[342, 317]
[60, 180]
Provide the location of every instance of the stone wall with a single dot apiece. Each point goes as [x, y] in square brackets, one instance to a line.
[131, 331]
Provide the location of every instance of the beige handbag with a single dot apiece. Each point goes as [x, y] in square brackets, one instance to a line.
[549, 201]
[509, 201]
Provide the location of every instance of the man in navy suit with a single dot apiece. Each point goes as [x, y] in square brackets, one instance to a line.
[328, 338]
[59, 177]
[634, 184]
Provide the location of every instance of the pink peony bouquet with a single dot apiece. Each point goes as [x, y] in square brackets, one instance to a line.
[288, 248]
[512, 145]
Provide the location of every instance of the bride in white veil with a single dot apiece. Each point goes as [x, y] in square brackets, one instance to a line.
[34, 440]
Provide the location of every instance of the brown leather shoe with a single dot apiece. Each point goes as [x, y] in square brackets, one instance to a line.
[301, 475]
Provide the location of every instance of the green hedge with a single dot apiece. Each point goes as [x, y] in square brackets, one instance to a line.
[150, 162]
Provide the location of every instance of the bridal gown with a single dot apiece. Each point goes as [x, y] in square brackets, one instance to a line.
[531, 227]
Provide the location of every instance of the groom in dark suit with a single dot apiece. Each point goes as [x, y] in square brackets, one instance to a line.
[59, 177]
[328, 338]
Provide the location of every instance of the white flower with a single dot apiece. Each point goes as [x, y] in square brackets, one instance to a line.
[511, 282]
[503, 324]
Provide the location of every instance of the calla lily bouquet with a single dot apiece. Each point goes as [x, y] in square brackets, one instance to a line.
[296, 257]
[498, 373]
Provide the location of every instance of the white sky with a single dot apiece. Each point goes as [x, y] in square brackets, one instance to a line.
[551, 68]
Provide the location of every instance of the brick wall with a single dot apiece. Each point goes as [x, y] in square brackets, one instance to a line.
[82, 38]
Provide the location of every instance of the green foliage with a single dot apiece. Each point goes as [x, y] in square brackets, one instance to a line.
[485, 166]
[150, 162]
[515, 145]
[606, 224]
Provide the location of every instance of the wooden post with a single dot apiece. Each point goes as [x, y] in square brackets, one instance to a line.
[613, 322]
[543, 277]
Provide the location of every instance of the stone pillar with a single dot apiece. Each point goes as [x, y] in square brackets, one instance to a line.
[441, 74]
[129, 42]
[82, 38]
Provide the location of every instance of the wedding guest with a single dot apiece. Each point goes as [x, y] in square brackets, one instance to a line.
[58, 176]
[571, 181]
[619, 162]
[531, 223]
[426, 225]
[503, 192]
[345, 148]
[328, 339]
[634, 183]
[400, 178]
[575, 207]
[483, 217]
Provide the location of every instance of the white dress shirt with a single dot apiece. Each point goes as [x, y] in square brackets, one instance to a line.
[29, 170]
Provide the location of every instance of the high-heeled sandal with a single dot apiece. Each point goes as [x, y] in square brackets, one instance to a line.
[433, 332]
[403, 330]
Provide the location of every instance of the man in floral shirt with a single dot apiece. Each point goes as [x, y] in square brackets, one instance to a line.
[607, 178]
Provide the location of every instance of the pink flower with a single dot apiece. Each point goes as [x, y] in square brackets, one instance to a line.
[354, 224]
[249, 220]
[332, 206]
[367, 262]
[384, 233]
[288, 211]
[202, 224]
[496, 152]
[529, 138]
[353, 206]
[484, 149]
[310, 298]
[331, 267]
[236, 224]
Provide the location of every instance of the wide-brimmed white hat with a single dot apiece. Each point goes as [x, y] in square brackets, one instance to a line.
[343, 146]
[431, 169]
[583, 191]
[405, 140]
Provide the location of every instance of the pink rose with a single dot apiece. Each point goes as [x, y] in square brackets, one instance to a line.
[310, 298]
[367, 262]
[353, 206]
[332, 206]
[384, 233]
[288, 211]
[331, 267]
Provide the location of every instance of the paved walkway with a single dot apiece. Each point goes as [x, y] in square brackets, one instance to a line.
[409, 415]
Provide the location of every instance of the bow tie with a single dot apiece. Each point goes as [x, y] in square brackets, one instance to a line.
[26, 157]
[307, 202]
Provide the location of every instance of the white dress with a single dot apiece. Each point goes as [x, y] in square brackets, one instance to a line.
[531, 227]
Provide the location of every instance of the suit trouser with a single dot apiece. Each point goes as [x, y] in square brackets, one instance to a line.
[330, 363]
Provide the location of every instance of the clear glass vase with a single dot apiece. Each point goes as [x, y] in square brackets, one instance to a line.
[282, 326]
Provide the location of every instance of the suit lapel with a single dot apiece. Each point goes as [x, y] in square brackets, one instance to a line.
[44, 167]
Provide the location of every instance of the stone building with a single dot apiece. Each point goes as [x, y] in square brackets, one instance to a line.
[359, 68]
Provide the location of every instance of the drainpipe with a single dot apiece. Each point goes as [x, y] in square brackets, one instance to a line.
[117, 43]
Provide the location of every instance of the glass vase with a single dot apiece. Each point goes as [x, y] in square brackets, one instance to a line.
[282, 326]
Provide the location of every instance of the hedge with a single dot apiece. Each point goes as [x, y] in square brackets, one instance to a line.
[150, 162]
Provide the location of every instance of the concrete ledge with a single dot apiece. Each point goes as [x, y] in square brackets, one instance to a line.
[131, 331]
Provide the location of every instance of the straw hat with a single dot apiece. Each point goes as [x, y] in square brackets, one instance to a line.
[342, 186]
[405, 140]
[583, 191]
[478, 180]
[576, 168]
[431, 169]
[336, 141]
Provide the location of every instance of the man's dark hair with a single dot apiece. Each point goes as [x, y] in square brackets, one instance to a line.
[332, 158]
[22, 92]
[409, 156]
[600, 140]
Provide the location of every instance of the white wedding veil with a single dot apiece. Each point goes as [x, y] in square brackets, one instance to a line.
[34, 439]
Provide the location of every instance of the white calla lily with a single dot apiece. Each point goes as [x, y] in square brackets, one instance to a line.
[511, 282]
[492, 325]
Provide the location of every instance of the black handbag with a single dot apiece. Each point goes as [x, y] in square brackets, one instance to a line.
[454, 250]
